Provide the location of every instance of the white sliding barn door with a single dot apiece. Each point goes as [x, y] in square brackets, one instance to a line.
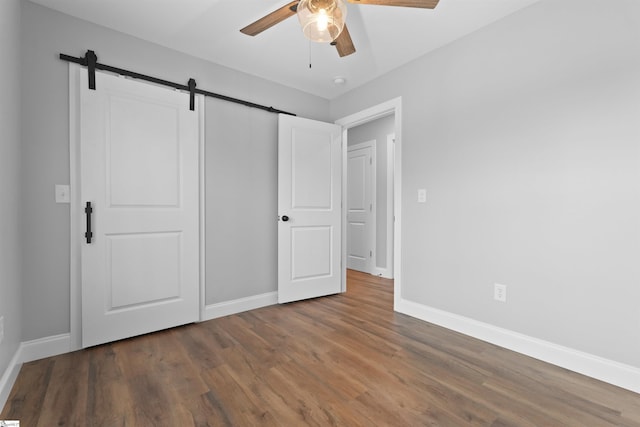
[139, 168]
[309, 208]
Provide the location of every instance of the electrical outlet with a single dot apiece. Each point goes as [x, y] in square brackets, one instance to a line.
[500, 292]
[1, 328]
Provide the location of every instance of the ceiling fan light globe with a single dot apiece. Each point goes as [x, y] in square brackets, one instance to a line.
[322, 21]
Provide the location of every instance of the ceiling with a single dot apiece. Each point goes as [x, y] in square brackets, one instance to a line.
[385, 37]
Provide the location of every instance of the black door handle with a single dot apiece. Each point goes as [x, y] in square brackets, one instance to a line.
[88, 210]
[285, 218]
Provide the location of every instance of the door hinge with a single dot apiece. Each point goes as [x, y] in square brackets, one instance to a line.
[370, 207]
[370, 254]
[370, 160]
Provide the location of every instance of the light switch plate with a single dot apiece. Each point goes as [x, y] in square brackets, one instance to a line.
[62, 193]
[422, 195]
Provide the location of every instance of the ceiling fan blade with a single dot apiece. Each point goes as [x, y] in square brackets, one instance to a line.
[271, 19]
[344, 44]
[425, 4]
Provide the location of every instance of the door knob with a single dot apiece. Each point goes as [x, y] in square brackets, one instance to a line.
[285, 218]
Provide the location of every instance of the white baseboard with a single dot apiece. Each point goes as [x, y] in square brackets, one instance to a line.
[227, 308]
[382, 272]
[9, 377]
[29, 351]
[45, 347]
[606, 370]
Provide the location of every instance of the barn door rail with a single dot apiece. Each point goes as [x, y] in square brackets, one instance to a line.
[90, 60]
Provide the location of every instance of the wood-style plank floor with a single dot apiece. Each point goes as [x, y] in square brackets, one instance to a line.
[340, 360]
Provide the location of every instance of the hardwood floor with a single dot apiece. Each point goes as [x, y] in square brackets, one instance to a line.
[340, 360]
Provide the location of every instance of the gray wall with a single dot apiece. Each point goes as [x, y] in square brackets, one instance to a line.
[377, 130]
[10, 280]
[241, 202]
[236, 138]
[525, 135]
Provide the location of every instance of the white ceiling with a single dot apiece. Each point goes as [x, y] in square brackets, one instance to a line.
[385, 37]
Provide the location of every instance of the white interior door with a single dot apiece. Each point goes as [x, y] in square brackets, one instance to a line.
[309, 208]
[360, 209]
[139, 168]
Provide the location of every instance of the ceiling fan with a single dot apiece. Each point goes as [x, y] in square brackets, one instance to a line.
[323, 20]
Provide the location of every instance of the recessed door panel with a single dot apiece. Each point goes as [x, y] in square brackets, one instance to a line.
[143, 160]
[311, 169]
[311, 252]
[356, 177]
[356, 233]
[137, 260]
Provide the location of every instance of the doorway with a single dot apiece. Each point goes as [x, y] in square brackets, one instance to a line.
[389, 112]
[370, 196]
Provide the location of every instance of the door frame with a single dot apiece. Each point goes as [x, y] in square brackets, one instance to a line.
[393, 106]
[372, 232]
[391, 148]
[75, 208]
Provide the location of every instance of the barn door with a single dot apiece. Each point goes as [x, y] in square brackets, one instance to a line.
[139, 179]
